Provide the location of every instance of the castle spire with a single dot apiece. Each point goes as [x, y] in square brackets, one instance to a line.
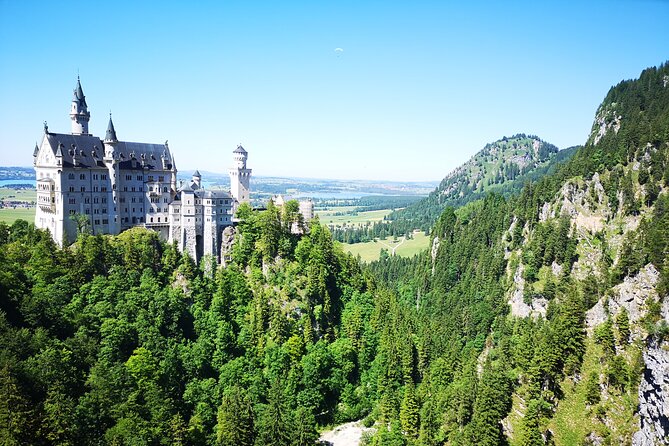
[111, 132]
[79, 111]
[79, 93]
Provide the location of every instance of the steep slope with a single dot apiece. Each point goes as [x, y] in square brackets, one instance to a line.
[542, 319]
[502, 166]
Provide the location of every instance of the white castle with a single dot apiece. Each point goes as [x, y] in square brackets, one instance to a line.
[110, 185]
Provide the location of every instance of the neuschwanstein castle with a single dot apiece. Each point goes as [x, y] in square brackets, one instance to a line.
[111, 185]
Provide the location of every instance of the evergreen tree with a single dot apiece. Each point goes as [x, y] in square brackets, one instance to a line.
[235, 419]
[623, 323]
[409, 411]
[274, 427]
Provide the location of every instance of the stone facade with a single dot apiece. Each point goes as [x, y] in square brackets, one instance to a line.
[107, 186]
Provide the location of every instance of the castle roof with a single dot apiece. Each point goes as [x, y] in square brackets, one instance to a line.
[111, 132]
[240, 149]
[197, 174]
[212, 194]
[79, 93]
[84, 145]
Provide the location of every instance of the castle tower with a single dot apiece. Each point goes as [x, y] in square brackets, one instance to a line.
[111, 161]
[79, 112]
[240, 176]
[197, 180]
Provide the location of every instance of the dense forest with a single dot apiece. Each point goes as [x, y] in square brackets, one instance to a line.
[123, 340]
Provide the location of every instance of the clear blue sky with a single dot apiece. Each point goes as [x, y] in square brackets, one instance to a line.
[418, 88]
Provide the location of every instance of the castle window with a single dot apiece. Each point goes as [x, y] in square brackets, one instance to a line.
[133, 188]
[104, 199]
[161, 178]
[164, 200]
[105, 221]
[103, 176]
[82, 176]
[97, 221]
[71, 188]
[95, 176]
[95, 200]
[125, 188]
[87, 200]
[103, 189]
[158, 219]
[71, 176]
[72, 201]
[122, 199]
[88, 211]
[139, 178]
[95, 188]
[165, 189]
[104, 210]
[83, 188]
[151, 220]
[128, 177]
[150, 180]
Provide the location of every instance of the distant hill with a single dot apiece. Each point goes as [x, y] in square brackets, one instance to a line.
[502, 166]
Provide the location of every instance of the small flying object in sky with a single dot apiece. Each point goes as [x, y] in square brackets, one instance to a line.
[338, 51]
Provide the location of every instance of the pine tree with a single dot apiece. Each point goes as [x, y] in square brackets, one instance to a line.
[235, 419]
[304, 433]
[604, 336]
[623, 323]
[409, 412]
[273, 429]
[592, 390]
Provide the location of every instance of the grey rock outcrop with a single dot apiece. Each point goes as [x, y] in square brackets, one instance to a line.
[519, 308]
[227, 240]
[654, 397]
[632, 295]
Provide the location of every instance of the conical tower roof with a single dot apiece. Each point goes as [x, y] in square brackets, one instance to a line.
[111, 132]
[79, 93]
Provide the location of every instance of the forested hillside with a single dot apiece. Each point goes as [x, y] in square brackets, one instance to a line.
[538, 318]
[541, 319]
[122, 340]
[502, 166]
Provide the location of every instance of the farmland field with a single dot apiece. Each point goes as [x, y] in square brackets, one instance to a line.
[346, 215]
[17, 194]
[370, 251]
[10, 215]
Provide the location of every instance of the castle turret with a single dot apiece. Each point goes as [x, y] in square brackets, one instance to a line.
[79, 112]
[197, 180]
[240, 176]
[111, 161]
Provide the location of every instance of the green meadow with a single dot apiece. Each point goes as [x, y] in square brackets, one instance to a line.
[371, 251]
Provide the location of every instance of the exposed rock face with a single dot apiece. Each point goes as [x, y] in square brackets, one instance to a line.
[519, 308]
[227, 240]
[606, 119]
[435, 250]
[632, 294]
[654, 397]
